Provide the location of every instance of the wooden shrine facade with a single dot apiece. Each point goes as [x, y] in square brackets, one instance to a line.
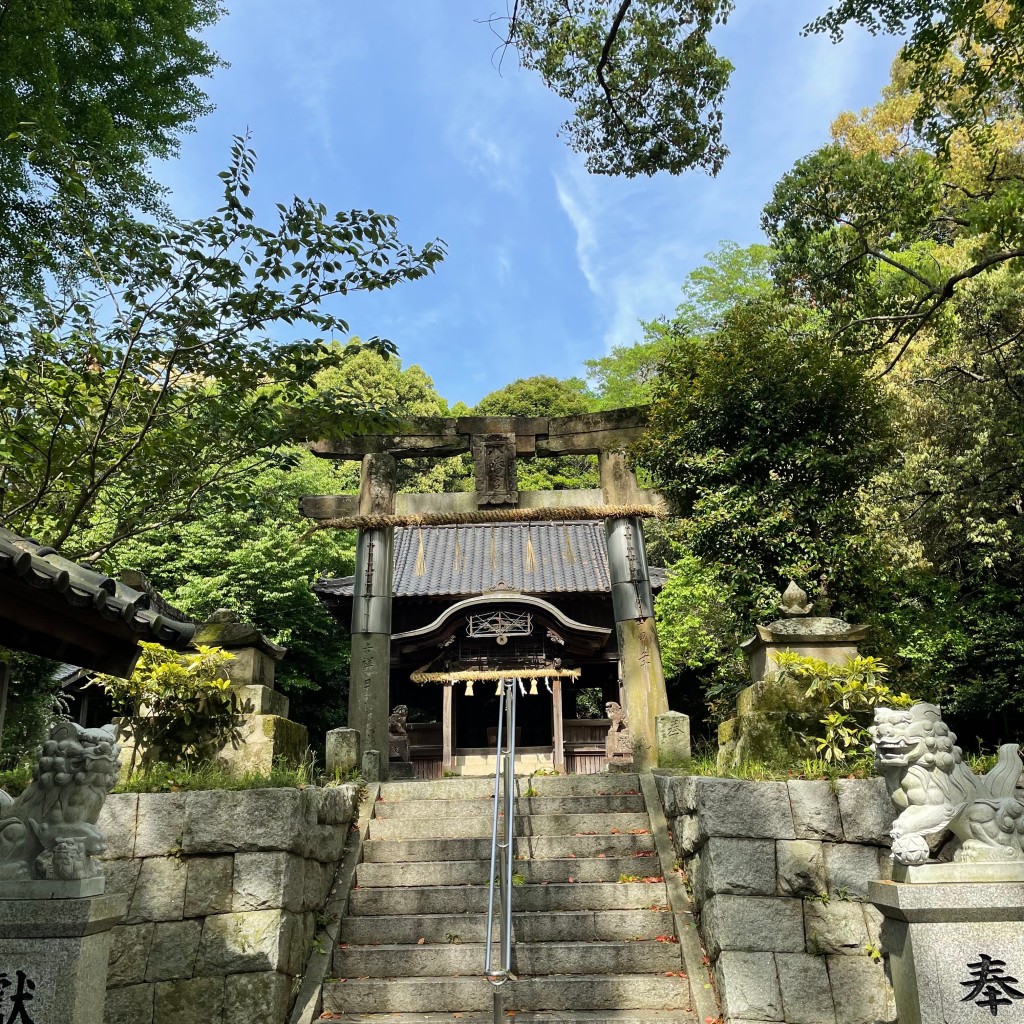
[526, 599]
[401, 638]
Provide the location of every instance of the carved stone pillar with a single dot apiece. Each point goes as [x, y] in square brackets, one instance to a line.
[643, 678]
[368, 699]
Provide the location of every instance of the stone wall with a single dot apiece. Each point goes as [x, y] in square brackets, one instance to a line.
[224, 890]
[779, 874]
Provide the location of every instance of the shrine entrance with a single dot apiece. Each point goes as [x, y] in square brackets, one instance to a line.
[455, 591]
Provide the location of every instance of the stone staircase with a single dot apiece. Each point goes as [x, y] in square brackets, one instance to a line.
[592, 945]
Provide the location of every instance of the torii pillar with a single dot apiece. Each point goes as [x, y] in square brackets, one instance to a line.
[370, 678]
[643, 678]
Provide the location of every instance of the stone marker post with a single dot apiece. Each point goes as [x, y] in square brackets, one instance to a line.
[55, 917]
[369, 704]
[643, 677]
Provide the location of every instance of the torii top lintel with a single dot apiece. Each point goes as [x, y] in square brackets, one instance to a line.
[440, 437]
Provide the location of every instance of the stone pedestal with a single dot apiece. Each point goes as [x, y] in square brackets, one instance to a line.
[53, 958]
[956, 947]
[811, 636]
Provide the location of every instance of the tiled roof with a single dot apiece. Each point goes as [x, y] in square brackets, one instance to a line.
[569, 558]
[43, 568]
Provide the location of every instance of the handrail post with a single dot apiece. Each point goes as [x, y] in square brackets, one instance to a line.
[502, 843]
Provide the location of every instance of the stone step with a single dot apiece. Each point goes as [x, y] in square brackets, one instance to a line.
[551, 992]
[530, 1017]
[448, 959]
[563, 926]
[416, 808]
[409, 850]
[532, 825]
[482, 787]
[477, 872]
[472, 899]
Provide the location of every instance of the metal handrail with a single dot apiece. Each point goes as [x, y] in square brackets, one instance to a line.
[502, 838]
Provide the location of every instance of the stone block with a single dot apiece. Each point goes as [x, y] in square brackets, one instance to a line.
[129, 954]
[316, 880]
[338, 804]
[859, 990]
[370, 766]
[247, 820]
[160, 825]
[117, 821]
[672, 738]
[738, 867]
[174, 949]
[261, 700]
[122, 877]
[160, 891]
[806, 996]
[746, 810]
[837, 926]
[850, 866]
[188, 1001]
[208, 885]
[255, 941]
[866, 811]
[257, 998]
[268, 881]
[748, 986]
[250, 667]
[263, 741]
[686, 834]
[343, 752]
[132, 1004]
[815, 809]
[752, 923]
[801, 867]
[63, 947]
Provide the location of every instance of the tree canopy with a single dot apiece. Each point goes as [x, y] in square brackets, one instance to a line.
[110, 84]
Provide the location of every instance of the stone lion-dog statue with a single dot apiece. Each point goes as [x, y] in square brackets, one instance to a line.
[934, 791]
[50, 830]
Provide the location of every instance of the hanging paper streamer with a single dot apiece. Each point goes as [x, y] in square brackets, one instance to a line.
[457, 556]
[522, 687]
[421, 561]
[497, 692]
[494, 552]
[570, 555]
[547, 683]
[469, 687]
[530, 562]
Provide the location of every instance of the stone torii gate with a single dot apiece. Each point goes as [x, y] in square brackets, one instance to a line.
[496, 442]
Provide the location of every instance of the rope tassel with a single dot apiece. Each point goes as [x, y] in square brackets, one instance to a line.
[457, 560]
[421, 560]
[530, 562]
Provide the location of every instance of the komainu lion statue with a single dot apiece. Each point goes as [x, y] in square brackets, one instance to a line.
[50, 830]
[934, 791]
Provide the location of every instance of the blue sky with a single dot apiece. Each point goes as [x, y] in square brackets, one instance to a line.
[398, 106]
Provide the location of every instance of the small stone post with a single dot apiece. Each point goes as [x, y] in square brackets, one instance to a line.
[369, 687]
[643, 677]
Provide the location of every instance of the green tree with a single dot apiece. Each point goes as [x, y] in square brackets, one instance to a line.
[114, 84]
[257, 557]
[647, 85]
[127, 398]
[645, 82]
[731, 274]
[761, 436]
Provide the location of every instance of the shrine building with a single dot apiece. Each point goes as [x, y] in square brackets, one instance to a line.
[549, 587]
[526, 600]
